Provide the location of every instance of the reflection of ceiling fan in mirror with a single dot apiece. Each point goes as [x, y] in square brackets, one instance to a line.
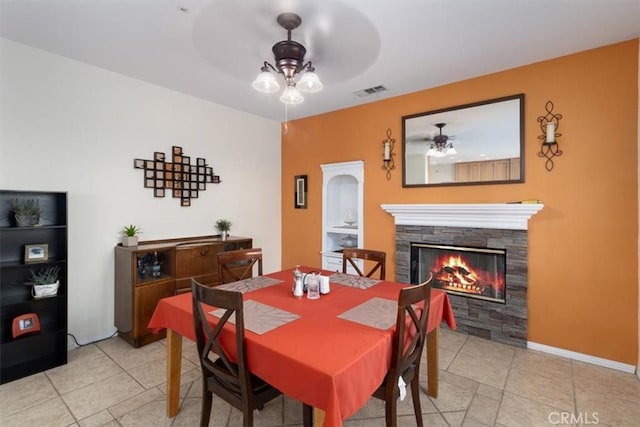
[440, 143]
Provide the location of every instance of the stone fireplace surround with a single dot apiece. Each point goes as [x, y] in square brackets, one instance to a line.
[502, 226]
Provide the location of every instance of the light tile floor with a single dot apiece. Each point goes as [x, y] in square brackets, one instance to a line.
[482, 383]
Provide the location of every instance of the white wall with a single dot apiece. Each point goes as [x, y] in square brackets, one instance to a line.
[68, 126]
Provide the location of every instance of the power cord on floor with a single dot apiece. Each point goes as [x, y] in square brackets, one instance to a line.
[75, 340]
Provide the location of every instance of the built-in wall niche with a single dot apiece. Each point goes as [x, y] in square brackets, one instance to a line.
[178, 176]
[342, 210]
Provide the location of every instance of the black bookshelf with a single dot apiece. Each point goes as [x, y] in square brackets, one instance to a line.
[40, 350]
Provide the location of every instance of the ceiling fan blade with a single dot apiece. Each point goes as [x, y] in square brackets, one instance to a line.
[416, 138]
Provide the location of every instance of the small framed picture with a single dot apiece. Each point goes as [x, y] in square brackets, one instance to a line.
[36, 253]
[25, 324]
[300, 195]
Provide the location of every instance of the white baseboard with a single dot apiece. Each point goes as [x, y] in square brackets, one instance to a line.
[624, 367]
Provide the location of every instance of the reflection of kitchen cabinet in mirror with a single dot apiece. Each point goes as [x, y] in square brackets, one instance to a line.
[478, 143]
[342, 210]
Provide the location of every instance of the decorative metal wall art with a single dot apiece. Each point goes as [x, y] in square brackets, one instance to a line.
[549, 124]
[179, 177]
[388, 164]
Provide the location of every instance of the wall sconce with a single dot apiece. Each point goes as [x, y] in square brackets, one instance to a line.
[388, 164]
[549, 124]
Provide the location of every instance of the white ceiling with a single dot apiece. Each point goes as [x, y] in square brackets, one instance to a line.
[213, 49]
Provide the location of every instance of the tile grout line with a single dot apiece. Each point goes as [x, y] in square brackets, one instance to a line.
[77, 421]
[504, 388]
[441, 413]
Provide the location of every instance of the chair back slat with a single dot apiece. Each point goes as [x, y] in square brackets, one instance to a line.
[229, 374]
[239, 264]
[378, 258]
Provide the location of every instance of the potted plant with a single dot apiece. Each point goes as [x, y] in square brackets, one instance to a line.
[223, 226]
[27, 212]
[130, 235]
[45, 282]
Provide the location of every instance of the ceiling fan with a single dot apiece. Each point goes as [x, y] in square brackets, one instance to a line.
[440, 143]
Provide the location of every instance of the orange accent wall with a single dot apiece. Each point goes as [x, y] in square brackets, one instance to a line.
[583, 245]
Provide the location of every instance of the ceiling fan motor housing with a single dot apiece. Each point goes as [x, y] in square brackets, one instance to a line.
[289, 57]
[440, 140]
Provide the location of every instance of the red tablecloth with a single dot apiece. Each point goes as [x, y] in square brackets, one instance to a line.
[320, 359]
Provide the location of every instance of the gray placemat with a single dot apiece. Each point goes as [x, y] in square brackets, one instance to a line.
[260, 318]
[248, 285]
[353, 281]
[378, 313]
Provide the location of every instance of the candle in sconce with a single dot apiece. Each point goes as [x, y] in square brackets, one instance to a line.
[551, 130]
[387, 151]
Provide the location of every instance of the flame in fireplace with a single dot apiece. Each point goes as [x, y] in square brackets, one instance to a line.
[455, 274]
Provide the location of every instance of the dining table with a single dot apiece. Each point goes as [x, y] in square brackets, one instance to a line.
[331, 353]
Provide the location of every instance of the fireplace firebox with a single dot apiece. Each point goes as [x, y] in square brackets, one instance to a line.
[467, 271]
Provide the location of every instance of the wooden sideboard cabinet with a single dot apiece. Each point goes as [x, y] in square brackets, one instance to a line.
[153, 270]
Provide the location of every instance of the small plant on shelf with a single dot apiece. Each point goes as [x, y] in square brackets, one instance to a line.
[45, 282]
[130, 235]
[223, 226]
[27, 212]
[46, 276]
[131, 230]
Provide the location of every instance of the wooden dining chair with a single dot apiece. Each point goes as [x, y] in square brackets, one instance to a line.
[238, 265]
[350, 255]
[408, 342]
[229, 380]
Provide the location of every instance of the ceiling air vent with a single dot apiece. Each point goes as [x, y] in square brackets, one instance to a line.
[370, 91]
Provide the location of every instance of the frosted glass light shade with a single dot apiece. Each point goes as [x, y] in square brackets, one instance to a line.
[434, 152]
[451, 150]
[291, 96]
[265, 82]
[309, 82]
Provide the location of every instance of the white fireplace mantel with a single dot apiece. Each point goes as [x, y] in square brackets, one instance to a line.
[510, 216]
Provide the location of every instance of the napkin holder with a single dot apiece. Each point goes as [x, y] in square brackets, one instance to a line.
[324, 285]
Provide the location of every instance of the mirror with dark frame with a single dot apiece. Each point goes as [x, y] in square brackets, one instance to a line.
[478, 143]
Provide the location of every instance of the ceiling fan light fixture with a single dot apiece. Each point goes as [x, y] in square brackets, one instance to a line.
[439, 147]
[291, 96]
[435, 151]
[266, 82]
[289, 62]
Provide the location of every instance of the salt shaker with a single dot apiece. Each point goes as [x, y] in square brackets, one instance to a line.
[297, 283]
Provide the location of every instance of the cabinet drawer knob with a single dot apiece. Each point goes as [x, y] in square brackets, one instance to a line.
[204, 252]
